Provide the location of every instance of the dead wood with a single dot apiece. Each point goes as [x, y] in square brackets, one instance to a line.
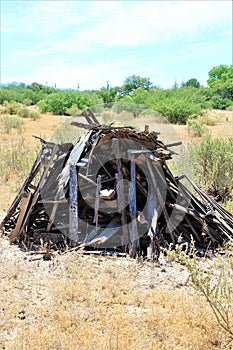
[81, 199]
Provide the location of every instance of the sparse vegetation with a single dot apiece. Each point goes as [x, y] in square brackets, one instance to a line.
[66, 133]
[213, 279]
[212, 163]
[196, 127]
[16, 159]
[9, 122]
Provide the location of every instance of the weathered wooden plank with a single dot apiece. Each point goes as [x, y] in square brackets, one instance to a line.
[105, 235]
[73, 204]
[97, 200]
[34, 171]
[73, 159]
[133, 206]
[37, 192]
[23, 208]
[88, 109]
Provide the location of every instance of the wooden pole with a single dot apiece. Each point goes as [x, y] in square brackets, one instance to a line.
[97, 199]
[73, 205]
[133, 207]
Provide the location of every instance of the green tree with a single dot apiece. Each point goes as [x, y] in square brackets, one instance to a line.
[221, 86]
[135, 82]
[220, 73]
[193, 83]
[108, 94]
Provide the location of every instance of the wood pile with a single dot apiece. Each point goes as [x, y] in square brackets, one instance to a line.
[113, 190]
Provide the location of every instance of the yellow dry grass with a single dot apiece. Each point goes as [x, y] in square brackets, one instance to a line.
[85, 302]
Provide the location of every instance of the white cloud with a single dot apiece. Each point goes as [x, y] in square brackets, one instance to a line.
[122, 23]
[73, 42]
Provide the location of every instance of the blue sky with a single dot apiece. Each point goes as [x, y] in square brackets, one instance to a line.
[92, 42]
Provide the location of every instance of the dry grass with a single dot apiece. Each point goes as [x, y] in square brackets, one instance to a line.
[85, 302]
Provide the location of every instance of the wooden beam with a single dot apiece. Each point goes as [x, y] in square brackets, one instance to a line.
[73, 204]
[23, 208]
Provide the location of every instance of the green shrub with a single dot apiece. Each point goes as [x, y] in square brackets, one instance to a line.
[211, 160]
[176, 105]
[61, 101]
[10, 122]
[196, 127]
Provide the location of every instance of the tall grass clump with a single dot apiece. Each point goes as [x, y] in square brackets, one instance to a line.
[9, 122]
[27, 113]
[16, 159]
[66, 133]
[211, 160]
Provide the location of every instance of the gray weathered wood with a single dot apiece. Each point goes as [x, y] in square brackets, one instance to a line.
[133, 205]
[97, 200]
[23, 208]
[73, 205]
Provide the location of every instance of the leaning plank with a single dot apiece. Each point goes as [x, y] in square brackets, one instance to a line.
[92, 115]
[26, 185]
[83, 126]
[74, 158]
[37, 192]
[23, 207]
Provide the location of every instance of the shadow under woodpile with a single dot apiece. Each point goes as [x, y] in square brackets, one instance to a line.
[113, 191]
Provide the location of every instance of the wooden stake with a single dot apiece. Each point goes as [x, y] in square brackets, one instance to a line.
[73, 207]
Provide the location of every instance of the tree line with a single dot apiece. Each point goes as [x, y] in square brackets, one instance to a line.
[177, 104]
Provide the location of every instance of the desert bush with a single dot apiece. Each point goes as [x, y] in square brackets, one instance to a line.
[23, 112]
[9, 122]
[127, 105]
[73, 110]
[27, 113]
[108, 116]
[196, 127]
[211, 278]
[34, 115]
[211, 160]
[207, 120]
[11, 107]
[27, 101]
